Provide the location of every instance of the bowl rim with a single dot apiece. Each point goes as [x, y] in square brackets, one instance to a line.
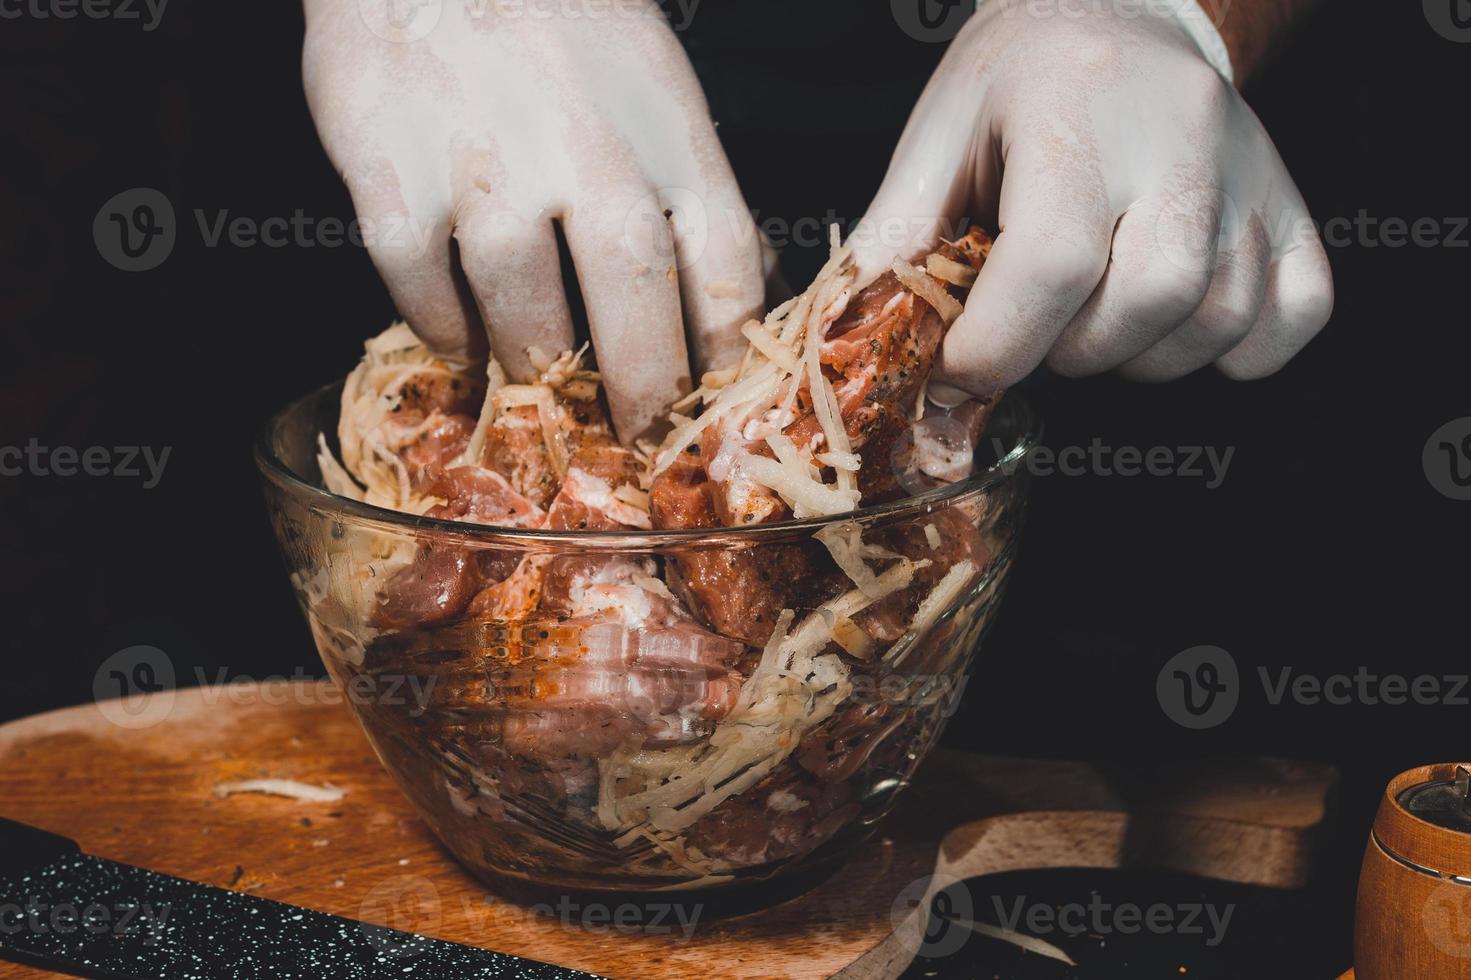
[1007, 469]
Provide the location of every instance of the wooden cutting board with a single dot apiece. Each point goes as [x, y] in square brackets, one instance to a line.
[143, 794]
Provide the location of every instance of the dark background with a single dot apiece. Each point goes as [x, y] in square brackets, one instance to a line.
[1326, 548]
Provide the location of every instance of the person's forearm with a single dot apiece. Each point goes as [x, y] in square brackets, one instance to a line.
[1251, 27]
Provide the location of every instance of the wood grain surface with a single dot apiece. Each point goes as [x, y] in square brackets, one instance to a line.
[136, 785]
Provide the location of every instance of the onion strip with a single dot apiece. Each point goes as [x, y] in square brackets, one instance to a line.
[928, 290]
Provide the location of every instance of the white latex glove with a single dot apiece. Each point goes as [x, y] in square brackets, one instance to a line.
[1146, 220]
[482, 121]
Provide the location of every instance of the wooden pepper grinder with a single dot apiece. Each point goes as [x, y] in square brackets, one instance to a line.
[1413, 916]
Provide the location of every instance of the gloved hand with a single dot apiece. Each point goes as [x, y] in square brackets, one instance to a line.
[482, 123]
[1146, 220]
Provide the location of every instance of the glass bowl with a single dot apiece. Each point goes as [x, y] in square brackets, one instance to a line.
[636, 751]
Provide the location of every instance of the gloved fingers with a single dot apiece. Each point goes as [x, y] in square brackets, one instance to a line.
[1224, 318]
[412, 252]
[1298, 302]
[722, 280]
[906, 217]
[1048, 258]
[513, 267]
[1164, 255]
[624, 252]
[1298, 297]
[926, 188]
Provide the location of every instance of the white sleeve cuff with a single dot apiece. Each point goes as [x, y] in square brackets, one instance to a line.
[1198, 25]
[1205, 34]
